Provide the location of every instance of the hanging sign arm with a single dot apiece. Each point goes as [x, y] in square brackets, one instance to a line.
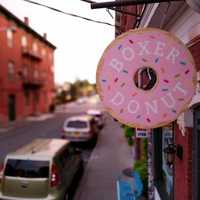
[111, 4]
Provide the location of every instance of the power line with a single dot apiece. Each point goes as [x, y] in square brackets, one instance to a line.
[66, 13]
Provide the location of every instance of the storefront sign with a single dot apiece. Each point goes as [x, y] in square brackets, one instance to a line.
[146, 78]
[141, 133]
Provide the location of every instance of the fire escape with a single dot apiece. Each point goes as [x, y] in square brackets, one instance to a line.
[31, 80]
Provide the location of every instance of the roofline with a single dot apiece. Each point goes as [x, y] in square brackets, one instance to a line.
[8, 14]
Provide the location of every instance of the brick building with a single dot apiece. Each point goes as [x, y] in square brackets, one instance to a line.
[26, 69]
[181, 180]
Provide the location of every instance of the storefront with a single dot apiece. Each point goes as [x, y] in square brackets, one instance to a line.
[163, 168]
[179, 180]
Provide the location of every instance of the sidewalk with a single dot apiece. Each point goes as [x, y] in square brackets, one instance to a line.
[109, 158]
[22, 122]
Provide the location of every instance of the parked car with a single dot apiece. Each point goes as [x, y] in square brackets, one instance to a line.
[80, 128]
[98, 117]
[82, 100]
[41, 170]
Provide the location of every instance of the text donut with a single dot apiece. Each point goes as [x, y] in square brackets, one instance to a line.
[146, 78]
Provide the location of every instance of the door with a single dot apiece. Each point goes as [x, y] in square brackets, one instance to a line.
[11, 107]
[196, 155]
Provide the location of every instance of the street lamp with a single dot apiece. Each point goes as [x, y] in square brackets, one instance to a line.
[170, 151]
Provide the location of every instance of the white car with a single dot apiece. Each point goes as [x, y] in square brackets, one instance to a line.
[82, 100]
[81, 128]
[98, 116]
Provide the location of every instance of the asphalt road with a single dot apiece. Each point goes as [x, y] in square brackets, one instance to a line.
[48, 126]
[24, 132]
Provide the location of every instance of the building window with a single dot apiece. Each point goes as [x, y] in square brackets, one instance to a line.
[36, 74]
[43, 52]
[9, 35]
[24, 41]
[25, 71]
[11, 70]
[35, 47]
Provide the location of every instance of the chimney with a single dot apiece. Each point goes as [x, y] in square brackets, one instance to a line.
[26, 21]
[45, 36]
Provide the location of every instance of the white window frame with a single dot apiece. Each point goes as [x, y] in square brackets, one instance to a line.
[9, 36]
[11, 70]
[36, 74]
[24, 41]
[35, 47]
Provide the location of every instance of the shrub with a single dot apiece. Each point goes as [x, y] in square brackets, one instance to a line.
[129, 134]
[140, 166]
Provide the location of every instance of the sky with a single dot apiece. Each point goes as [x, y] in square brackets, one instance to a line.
[79, 43]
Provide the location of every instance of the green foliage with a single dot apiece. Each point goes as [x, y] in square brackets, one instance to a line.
[128, 131]
[129, 134]
[140, 166]
[145, 146]
[130, 141]
[61, 97]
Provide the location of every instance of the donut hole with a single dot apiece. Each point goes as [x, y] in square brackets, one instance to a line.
[145, 78]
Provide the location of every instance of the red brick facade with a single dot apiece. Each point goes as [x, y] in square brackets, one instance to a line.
[183, 168]
[26, 69]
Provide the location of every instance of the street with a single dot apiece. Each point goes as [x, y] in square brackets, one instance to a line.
[21, 135]
[49, 126]
[98, 162]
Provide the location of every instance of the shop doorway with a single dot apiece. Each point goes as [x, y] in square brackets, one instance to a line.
[163, 172]
[12, 107]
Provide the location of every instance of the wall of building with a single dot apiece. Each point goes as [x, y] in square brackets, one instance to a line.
[125, 22]
[183, 168]
[15, 86]
[187, 27]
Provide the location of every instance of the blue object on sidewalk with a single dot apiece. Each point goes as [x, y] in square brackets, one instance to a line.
[129, 190]
[124, 190]
[138, 184]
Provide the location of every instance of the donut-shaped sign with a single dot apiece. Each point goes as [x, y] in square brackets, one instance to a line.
[146, 78]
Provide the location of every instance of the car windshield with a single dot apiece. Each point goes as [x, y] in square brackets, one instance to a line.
[27, 168]
[77, 124]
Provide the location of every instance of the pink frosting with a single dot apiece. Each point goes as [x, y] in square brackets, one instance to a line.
[174, 67]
